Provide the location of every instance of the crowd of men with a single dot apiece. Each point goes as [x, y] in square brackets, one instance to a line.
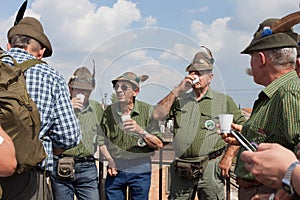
[127, 132]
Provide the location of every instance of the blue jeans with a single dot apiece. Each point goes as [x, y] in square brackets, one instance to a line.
[84, 184]
[137, 178]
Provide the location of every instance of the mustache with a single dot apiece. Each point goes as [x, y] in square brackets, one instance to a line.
[249, 71]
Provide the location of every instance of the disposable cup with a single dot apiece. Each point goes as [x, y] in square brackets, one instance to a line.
[125, 118]
[225, 122]
[81, 96]
[196, 79]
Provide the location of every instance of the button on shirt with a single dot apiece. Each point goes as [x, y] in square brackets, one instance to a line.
[48, 89]
[275, 117]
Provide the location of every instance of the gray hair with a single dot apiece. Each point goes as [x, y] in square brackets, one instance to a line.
[282, 57]
[22, 41]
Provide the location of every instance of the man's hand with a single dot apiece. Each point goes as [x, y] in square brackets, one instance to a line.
[269, 163]
[112, 168]
[77, 103]
[229, 138]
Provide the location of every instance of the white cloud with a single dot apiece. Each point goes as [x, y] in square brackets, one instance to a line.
[185, 51]
[80, 24]
[149, 21]
[250, 13]
[211, 35]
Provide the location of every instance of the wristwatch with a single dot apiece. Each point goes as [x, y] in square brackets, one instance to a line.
[287, 179]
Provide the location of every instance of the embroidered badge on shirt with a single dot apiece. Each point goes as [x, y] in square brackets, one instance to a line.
[210, 124]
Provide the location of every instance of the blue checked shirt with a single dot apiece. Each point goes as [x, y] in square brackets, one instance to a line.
[48, 89]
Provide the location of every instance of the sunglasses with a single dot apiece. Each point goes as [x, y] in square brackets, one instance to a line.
[123, 87]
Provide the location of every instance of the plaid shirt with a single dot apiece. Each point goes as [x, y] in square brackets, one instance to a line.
[48, 89]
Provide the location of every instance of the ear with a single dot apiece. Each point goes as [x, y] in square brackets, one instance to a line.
[8, 46]
[262, 58]
[40, 53]
[136, 91]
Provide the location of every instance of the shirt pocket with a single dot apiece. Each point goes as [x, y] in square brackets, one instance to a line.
[260, 135]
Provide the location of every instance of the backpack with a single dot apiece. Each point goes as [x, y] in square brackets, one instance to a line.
[19, 115]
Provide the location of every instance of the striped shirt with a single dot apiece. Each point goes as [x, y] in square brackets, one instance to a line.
[275, 117]
[48, 89]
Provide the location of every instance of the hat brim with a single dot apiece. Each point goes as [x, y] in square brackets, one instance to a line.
[278, 40]
[37, 35]
[124, 79]
[80, 85]
[197, 67]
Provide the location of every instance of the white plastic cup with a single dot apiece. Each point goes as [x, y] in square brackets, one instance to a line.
[196, 79]
[81, 96]
[125, 118]
[225, 122]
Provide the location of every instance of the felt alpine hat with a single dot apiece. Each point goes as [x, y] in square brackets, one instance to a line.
[33, 28]
[275, 33]
[82, 79]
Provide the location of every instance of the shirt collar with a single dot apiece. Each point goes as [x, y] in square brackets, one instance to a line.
[19, 54]
[208, 95]
[277, 83]
[88, 107]
[135, 109]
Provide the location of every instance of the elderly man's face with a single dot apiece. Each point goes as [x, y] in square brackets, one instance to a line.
[205, 78]
[256, 63]
[125, 91]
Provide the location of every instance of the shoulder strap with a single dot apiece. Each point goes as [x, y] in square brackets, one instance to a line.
[29, 63]
[24, 65]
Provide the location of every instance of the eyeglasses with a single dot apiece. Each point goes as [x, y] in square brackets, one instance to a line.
[123, 87]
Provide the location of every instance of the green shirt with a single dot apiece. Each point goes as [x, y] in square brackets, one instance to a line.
[123, 144]
[275, 117]
[195, 122]
[89, 119]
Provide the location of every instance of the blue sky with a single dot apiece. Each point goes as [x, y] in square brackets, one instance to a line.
[154, 37]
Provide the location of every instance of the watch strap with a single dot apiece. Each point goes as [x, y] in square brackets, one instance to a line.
[287, 179]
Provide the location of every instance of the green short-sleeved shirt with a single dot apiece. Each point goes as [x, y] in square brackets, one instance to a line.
[275, 117]
[123, 144]
[195, 122]
[89, 119]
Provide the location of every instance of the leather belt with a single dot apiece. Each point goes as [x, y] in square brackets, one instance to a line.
[77, 159]
[246, 184]
[84, 159]
[216, 153]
